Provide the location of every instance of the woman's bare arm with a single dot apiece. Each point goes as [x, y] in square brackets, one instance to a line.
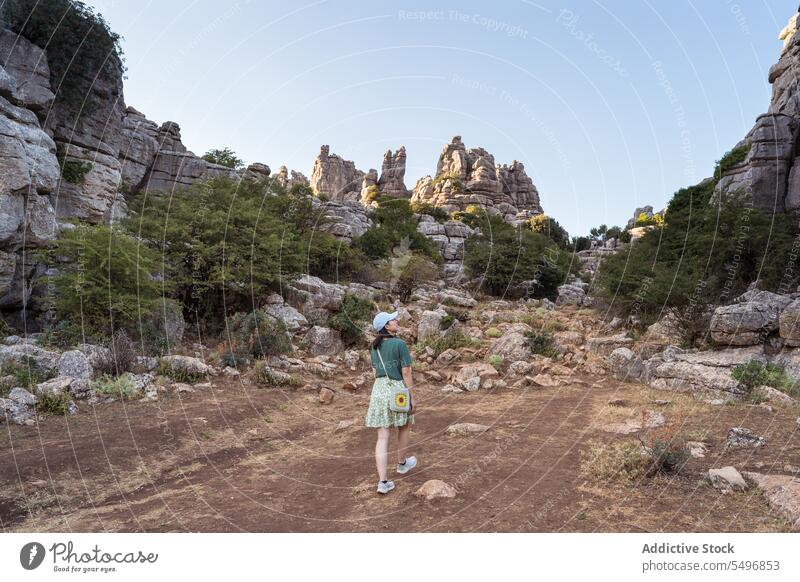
[409, 382]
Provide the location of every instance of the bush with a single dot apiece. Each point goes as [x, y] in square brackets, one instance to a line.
[754, 374]
[613, 461]
[80, 46]
[224, 157]
[53, 404]
[732, 158]
[64, 335]
[550, 228]
[227, 243]
[122, 357]
[395, 227]
[121, 387]
[416, 271]
[351, 318]
[496, 361]
[440, 215]
[26, 374]
[5, 329]
[371, 195]
[643, 219]
[666, 455]
[704, 250]
[504, 257]
[255, 335]
[103, 277]
[440, 343]
[542, 343]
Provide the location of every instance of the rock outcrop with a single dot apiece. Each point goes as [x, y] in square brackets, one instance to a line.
[769, 176]
[335, 178]
[287, 179]
[470, 177]
[393, 171]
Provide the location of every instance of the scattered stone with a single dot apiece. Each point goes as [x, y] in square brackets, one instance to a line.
[436, 489]
[352, 359]
[447, 357]
[203, 386]
[466, 428]
[545, 380]
[231, 372]
[625, 364]
[619, 403]
[775, 395]
[182, 388]
[349, 386]
[727, 479]
[452, 389]
[520, 368]
[652, 419]
[742, 438]
[472, 384]
[697, 449]
[782, 493]
[326, 395]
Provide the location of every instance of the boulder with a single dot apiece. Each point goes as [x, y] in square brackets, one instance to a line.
[54, 386]
[75, 364]
[447, 357]
[292, 319]
[436, 489]
[320, 341]
[18, 353]
[512, 345]
[604, 346]
[571, 294]
[625, 365]
[748, 322]
[326, 395]
[187, 365]
[782, 493]
[727, 479]
[789, 324]
[739, 438]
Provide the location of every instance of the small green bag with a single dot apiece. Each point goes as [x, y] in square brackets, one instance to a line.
[400, 396]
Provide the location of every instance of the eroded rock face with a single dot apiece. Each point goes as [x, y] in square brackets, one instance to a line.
[748, 321]
[393, 171]
[335, 178]
[770, 175]
[344, 220]
[470, 177]
[288, 179]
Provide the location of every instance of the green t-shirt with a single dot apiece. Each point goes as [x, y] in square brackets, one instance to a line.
[396, 356]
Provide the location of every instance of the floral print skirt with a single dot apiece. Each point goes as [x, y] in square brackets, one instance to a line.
[379, 415]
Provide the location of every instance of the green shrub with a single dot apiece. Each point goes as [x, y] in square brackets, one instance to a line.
[395, 226]
[226, 242]
[704, 252]
[754, 374]
[371, 195]
[73, 171]
[351, 318]
[53, 404]
[103, 277]
[666, 456]
[542, 343]
[643, 219]
[224, 157]
[503, 257]
[121, 387]
[496, 361]
[81, 48]
[440, 343]
[26, 373]
[493, 333]
[732, 158]
[440, 215]
[65, 335]
[256, 334]
[5, 329]
[457, 185]
[550, 228]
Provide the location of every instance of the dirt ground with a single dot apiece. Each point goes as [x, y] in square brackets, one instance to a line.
[243, 458]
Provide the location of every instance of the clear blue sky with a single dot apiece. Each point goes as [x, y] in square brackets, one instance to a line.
[611, 105]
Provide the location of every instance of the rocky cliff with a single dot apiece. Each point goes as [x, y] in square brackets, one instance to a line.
[470, 177]
[769, 174]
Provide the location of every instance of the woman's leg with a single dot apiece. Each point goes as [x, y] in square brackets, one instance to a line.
[382, 453]
[403, 438]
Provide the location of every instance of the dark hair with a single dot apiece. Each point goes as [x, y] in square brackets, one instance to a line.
[382, 335]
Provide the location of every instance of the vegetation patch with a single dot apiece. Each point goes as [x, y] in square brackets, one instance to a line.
[267, 376]
[121, 387]
[542, 343]
[23, 374]
[617, 460]
[754, 374]
[440, 343]
[354, 314]
[48, 404]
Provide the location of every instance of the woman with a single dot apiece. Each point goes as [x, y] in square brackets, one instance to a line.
[391, 351]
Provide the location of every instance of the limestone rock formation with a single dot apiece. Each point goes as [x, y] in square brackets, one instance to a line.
[770, 174]
[287, 179]
[335, 178]
[393, 171]
[470, 177]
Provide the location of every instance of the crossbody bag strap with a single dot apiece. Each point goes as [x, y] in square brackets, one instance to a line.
[385, 371]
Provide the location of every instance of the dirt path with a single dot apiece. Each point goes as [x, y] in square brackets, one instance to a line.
[238, 458]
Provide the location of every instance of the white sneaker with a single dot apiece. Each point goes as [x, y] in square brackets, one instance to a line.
[410, 463]
[384, 488]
